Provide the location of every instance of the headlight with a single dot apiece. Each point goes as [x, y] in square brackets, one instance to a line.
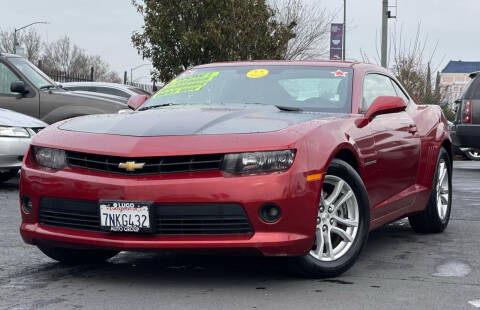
[18, 132]
[258, 162]
[51, 158]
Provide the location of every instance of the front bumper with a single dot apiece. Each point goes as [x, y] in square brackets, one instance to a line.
[292, 235]
[466, 135]
[12, 151]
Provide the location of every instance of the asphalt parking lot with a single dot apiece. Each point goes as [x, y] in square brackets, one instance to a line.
[398, 270]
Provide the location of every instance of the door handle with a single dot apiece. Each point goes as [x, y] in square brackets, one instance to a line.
[412, 129]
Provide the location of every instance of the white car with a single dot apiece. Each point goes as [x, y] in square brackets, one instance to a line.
[16, 131]
[115, 89]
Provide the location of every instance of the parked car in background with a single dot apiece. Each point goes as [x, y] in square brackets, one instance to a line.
[115, 89]
[26, 89]
[100, 95]
[466, 133]
[16, 131]
[285, 158]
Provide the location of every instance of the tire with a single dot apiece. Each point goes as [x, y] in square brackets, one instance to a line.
[322, 262]
[5, 176]
[473, 154]
[435, 218]
[76, 256]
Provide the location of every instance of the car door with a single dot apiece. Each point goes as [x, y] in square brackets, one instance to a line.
[397, 147]
[26, 104]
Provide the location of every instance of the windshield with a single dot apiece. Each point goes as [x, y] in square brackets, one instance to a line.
[325, 89]
[33, 74]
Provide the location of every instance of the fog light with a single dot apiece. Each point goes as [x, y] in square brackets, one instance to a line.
[27, 204]
[270, 213]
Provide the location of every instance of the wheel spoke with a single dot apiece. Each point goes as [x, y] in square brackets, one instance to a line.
[328, 242]
[344, 198]
[320, 242]
[342, 233]
[346, 222]
[336, 191]
[443, 173]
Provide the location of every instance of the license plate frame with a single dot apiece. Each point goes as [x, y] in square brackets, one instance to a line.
[130, 208]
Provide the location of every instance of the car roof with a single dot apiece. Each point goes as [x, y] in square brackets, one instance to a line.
[9, 55]
[322, 63]
[318, 63]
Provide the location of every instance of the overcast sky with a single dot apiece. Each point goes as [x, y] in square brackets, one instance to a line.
[104, 27]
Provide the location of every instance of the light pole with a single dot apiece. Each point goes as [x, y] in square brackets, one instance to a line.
[135, 68]
[384, 33]
[344, 26]
[15, 34]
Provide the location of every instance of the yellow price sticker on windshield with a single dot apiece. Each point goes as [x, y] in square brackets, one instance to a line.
[257, 73]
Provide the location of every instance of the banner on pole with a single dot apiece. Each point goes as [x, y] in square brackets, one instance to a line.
[336, 41]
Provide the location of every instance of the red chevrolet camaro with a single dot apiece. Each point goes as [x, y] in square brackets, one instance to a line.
[298, 159]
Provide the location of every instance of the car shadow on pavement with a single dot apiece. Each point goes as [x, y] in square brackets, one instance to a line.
[180, 269]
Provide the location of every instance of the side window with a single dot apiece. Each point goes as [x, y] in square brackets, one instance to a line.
[375, 85]
[400, 92]
[6, 78]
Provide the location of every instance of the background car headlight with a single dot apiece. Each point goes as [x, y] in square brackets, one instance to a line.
[258, 162]
[51, 158]
[125, 111]
[18, 132]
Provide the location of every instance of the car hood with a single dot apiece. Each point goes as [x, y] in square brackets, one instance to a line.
[79, 96]
[11, 118]
[192, 120]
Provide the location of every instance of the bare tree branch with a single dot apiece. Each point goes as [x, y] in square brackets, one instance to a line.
[311, 25]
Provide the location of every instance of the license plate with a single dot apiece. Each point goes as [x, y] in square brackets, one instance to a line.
[125, 216]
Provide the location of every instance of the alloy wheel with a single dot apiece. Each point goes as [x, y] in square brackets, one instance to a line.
[473, 154]
[337, 220]
[443, 190]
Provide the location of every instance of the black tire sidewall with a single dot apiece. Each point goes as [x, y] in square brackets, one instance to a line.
[5, 176]
[310, 266]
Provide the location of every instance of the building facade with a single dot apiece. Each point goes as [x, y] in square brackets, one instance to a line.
[453, 79]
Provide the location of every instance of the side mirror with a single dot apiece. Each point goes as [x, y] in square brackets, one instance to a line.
[18, 87]
[136, 101]
[384, 105]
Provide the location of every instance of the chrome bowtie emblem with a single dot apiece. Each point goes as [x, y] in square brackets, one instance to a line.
[131, 165]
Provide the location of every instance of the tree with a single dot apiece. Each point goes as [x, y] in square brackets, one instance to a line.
[29, 39]
[183, 33]
[411, 65]
[311, 26]
[60, 55]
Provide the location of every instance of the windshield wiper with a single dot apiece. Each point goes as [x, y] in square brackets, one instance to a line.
[280, 107]
[157, 106]
[47, 86]
[288, 109]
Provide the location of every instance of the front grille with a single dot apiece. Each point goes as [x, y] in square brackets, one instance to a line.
[170, 219]
[152, 165]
